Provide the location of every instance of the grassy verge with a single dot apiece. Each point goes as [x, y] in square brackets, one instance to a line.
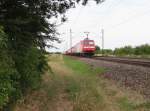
[90, 92]
[82, 87]
[73, 85]
[81, 68]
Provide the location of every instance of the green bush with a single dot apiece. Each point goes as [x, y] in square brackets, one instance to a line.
[18, 71]
[30, 66]
[104, 51]
[142, 50]
[8, 73]
[127, 50]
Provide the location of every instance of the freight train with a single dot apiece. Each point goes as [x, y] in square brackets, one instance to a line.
[85, 47]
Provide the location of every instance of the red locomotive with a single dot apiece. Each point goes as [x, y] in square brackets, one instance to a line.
[85, 47]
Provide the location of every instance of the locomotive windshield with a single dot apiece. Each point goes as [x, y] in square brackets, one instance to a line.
[88, 42]
[91, 43]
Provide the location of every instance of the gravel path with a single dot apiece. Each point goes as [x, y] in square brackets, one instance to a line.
[135, 77]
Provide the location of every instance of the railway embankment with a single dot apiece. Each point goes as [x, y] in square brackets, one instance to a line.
[133, 77]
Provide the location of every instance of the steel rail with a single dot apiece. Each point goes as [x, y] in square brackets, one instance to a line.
[140, 62]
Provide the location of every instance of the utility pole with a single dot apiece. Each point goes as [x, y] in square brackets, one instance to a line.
[102, 32]
[71, 40]
[87, 34]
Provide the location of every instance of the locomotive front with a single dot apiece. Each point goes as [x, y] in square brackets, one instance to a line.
[88, 47]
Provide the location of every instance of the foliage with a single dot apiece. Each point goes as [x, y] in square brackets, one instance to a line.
[128, 50]
[22, 59]
[104, 51]
[28, 26]
[17, 76]
[142, 50]
[107, 52]
[27, 21]
[97, 49]
[8, 73]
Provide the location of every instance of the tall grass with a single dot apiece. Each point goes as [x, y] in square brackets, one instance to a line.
[81, 68]
[83, 87]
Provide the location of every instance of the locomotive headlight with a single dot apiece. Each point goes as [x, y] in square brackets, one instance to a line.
[88, 47]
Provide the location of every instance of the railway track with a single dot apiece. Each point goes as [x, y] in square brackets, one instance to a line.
[131, 61]
[130, 76]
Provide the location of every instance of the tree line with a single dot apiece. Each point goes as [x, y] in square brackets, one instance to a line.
[142, 50]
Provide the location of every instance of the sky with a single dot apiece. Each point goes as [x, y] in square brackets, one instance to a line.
[125, 22]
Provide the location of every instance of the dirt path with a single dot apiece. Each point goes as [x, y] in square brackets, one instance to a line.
[58, 67]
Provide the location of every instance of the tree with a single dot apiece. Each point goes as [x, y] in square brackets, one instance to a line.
[8, 74]
[97, 47]
[26, 24]
[142, 50]
[107, 52]
[27, 20]
[127, 50]
[97, 50]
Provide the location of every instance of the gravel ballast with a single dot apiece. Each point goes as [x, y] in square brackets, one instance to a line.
[135, 77]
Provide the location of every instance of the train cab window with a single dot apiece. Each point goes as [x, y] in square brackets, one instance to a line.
[88, 43]
[91, 43]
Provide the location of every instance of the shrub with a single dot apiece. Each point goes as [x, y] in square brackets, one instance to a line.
[18, 71]
[8, 73]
